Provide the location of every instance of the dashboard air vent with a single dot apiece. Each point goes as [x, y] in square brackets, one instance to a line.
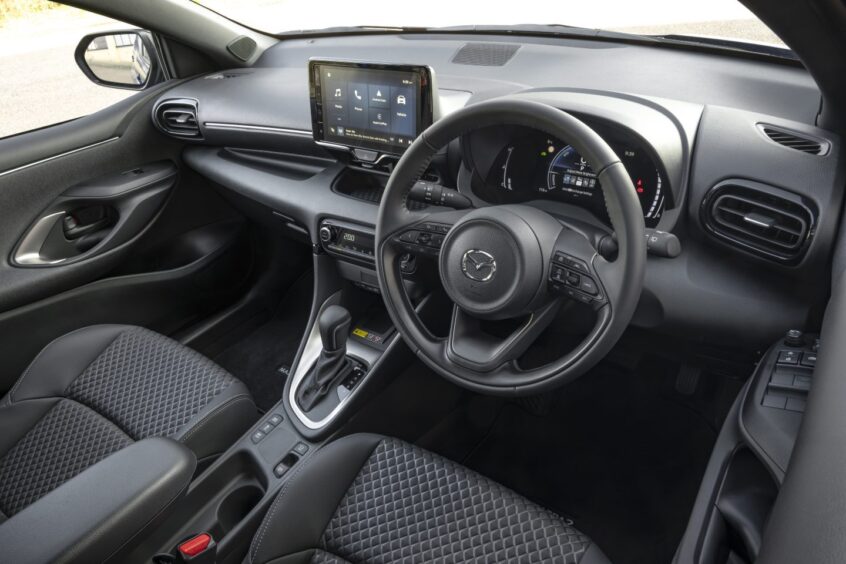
[758, 218]
[485, 54]
[178, 117]
[794, 140]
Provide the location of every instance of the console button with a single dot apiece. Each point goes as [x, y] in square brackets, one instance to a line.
[257, 436]
[275, 419]
[280, 469]
[300, 448]
[266, 428]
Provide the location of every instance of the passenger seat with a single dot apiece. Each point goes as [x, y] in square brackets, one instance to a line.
[97, 390]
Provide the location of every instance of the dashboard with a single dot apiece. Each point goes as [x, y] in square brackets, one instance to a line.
[531, 165]
[707, 146]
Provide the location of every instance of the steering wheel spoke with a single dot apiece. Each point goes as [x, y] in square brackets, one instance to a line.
[470, 346]
[578, 272]
[424, 233]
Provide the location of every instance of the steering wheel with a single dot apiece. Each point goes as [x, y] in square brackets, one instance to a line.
[510, 262]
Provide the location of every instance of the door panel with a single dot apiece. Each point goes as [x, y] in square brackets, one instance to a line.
[150, 242]
[37, 167]
[95, 217]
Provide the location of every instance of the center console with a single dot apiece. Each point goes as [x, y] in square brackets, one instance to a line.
[350, 348]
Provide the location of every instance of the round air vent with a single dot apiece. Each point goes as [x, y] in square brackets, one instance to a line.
[178, 117]
[761, 219]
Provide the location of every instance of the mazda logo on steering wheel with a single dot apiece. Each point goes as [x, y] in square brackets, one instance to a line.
[478, 265]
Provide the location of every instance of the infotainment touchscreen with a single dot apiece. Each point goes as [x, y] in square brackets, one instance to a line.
[370, 106]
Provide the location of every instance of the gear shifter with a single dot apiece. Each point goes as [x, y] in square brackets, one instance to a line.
[332, 365]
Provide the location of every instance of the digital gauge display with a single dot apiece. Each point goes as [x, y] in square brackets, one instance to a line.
[534, 166]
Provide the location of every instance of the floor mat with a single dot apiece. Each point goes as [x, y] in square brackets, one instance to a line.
[256, 358]
[616, 454]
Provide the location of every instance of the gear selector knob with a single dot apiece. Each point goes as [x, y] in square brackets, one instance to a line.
[334, 323]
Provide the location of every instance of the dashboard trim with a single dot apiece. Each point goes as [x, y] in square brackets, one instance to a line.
[257, 128]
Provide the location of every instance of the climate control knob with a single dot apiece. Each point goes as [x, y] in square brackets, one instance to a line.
[327, 234]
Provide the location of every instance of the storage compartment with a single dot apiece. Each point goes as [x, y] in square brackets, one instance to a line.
[224, 503]
[367, 186]
[237, 505]
[741, 508]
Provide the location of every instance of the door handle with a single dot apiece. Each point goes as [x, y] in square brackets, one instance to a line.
[97, 216]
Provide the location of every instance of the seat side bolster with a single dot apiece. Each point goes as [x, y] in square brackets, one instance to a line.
[307, 502]
[18, 418]
[62, 361]
[594, 555]
[100, 511]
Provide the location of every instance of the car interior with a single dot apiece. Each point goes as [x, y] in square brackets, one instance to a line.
[476, 294]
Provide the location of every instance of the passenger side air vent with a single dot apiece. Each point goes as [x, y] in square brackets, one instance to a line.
[760, 219]
[794, 140]
[178, 117]
[485, 54]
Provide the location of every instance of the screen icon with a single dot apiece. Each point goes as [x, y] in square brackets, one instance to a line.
[338, 93]
[357, 95]
[401, 99]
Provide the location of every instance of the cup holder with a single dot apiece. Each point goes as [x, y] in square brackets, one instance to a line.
[237, 504]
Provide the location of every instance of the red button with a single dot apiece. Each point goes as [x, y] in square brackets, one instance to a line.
[195, 546]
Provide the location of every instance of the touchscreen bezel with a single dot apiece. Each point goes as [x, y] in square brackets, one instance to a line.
[425, 107]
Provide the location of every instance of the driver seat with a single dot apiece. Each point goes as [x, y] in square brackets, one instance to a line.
[369, 498]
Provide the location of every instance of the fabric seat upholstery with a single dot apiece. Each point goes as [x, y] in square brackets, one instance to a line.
[368, 498]
[99, 389]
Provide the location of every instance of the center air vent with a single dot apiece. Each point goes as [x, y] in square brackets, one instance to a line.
[485, 54]
[794, 140]
[760, 219]
[178, 117]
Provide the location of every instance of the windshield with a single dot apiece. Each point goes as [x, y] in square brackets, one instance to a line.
[725, 19]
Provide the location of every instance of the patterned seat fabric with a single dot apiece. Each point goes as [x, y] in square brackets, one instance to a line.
[410, 505]
[141, 385]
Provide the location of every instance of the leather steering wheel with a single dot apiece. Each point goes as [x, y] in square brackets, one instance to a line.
[512, 261]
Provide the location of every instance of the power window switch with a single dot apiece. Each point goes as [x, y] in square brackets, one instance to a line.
[809, 359]
[802, 382]
[782, 379]
[788, 357]
[774, 400]
[795, 404]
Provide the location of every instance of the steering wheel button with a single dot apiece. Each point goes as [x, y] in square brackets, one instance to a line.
[409, 236]
[587, 285]
[573, 279]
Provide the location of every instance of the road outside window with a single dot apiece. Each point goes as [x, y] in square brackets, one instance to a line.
[40, 83]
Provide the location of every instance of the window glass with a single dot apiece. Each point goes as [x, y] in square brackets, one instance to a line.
[40, 84]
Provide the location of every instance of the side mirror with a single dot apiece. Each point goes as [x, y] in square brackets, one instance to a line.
[120, 59]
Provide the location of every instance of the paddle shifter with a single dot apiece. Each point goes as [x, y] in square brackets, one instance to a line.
[332, 365]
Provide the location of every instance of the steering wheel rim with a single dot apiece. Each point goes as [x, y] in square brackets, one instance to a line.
[620, 281]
